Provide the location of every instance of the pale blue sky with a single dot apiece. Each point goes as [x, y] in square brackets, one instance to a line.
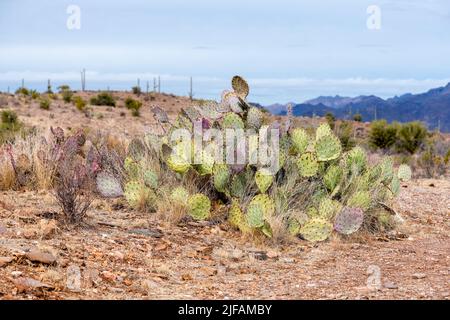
[288, 50]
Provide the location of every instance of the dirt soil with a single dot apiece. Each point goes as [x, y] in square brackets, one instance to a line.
[126, 255]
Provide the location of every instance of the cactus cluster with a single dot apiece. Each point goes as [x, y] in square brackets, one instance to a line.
[318, 188]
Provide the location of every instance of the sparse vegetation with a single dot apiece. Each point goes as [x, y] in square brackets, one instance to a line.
[103, 99]
[357, 117]
[44, 104]
[134, 106]
[79, 102]
[382, 135]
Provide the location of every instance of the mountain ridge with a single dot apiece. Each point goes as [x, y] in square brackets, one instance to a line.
[431, 107]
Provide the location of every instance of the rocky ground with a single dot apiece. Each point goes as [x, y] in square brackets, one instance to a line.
[126, 255]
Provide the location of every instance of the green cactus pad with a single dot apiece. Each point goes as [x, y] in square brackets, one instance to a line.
[150, 179]
[267, 230]
[387, 170]
[300, 140]
[207, 165]
[307, 165]
[178, 164]
[254, 118]
[136, 149]
[263, 180]
[349, 220]
[221, 177]
[404, 173]
[395, 186]
[199, 207]
[232, 121]
[108, 185]
[328, 148]
[255, 215]
[333, 177]
[240, 87]
[360, 199]
[179, 195]
[328, 208]
[293, 226]
[134, 191]
[316, 230]
[131, 168]
[236, 218]
[356, 160]
[323, 130]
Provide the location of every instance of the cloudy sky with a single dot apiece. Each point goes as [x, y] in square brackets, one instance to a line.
[288, 50]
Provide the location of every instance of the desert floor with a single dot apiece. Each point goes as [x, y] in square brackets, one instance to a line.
[126, 255]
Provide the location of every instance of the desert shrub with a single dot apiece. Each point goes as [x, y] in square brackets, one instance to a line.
[433, 160]
[74, 177]
[357, 117]
[9, 126]
[103, 99]
[134, 106]
[67, 96]
[44, 104]
[23, 91]
[382, 135]
[63, 88]
[34, 94]
[136, 90]
[345, 135]
[410, 137]
[79, 102]
[331, 119]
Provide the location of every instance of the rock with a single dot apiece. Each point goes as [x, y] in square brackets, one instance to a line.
[36, 255]
[47, 228]
[118, 255]
[288, 260]
[108, 276]
[16, 274]
[2, 229]
[147, 232]
[29, 284]
[390, 285]
[186, 277]
[419, 275]
[272, 254]
[5, 260]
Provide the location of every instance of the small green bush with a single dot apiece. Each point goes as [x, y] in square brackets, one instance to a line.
[411, 136]
[23, 91]
[134, 106]
[63, 88]
[345, 135]
[357, 117]
[34, 94]
[382, 135]
[67, 96]
[103, 99]
[9, 117]
[79, 102]
[9, 126]
[331, 119]
[136, 90]
[44, 104]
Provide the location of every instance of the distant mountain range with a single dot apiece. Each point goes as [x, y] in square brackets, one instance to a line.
[432, 108]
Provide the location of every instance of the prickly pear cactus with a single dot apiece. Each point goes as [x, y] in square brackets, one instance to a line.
[316, 230]
[255, 215]
[108, 185]
[349, 220]
[237, 218]
[207, 164]
[300, 140]
[150, 179]
[323, 130]
[232, 121]
[328, 208]
[179, 195]
[131, 168]
[263, 179]
[404, 173]
[387, 170]
[333, 177]
[307, 164]
[356, 160]
[328, 148]
[240, 87]
[136, 149]
[133, 192]
[199, 206]
[221, 177]
[254, 118]
[360, 199]
[395, 186]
